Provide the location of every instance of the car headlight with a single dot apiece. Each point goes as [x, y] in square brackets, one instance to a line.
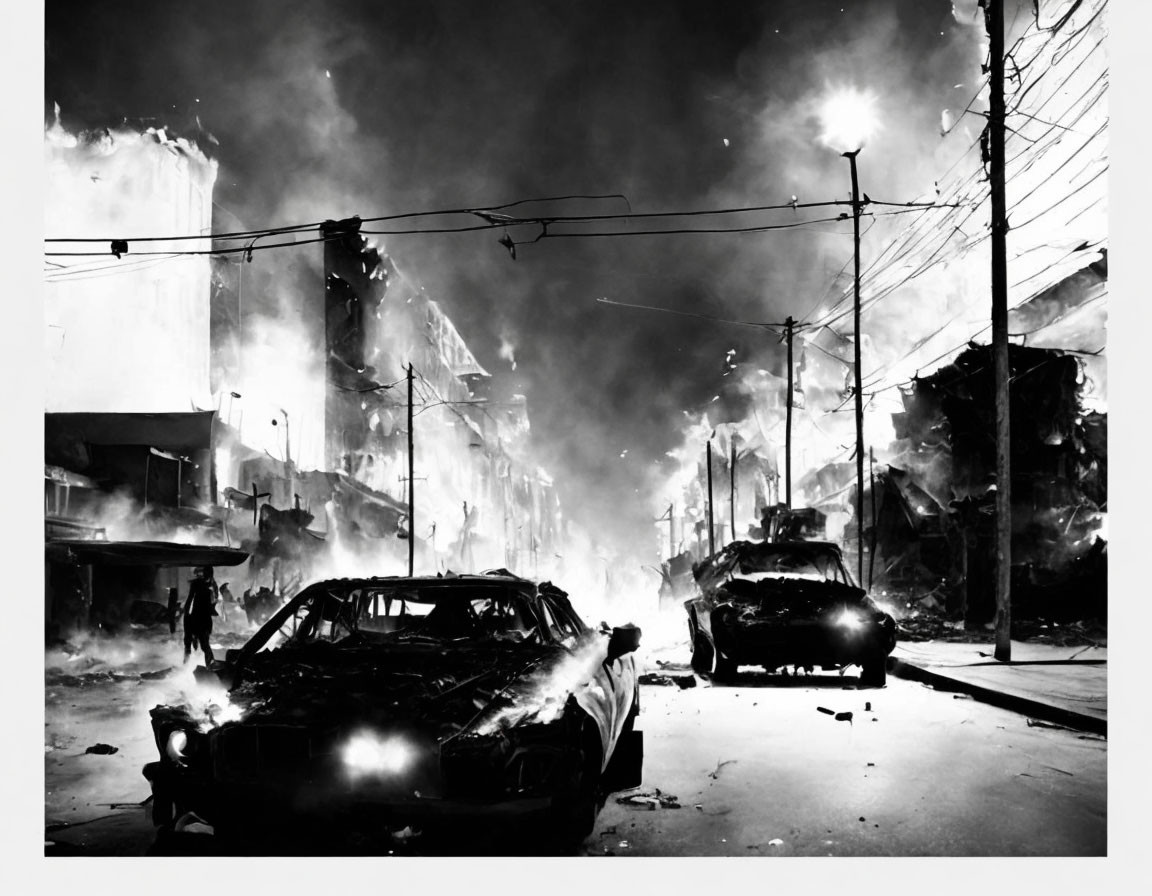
[849, 619]
[368, 754]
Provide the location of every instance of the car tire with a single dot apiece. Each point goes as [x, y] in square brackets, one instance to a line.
[726, 668]
[702, 654]
[574, 814]
[874, 672]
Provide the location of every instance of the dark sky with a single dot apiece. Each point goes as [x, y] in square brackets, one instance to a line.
[448, 104]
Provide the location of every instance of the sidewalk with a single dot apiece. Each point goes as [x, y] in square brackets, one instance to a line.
[1063, 685]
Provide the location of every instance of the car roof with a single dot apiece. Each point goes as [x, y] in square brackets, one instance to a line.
[465, 581]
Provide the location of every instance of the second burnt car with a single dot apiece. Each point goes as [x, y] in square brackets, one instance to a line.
[384, 704]
[779, 604]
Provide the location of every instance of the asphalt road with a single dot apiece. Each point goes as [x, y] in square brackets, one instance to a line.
[755, 767]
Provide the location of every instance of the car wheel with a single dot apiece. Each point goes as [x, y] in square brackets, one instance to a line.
[574, 813]
[725, 668]
[874, 673]
[702, 654]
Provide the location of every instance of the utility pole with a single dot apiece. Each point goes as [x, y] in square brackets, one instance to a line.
[788, 325]
[872, 492]
[711, 528]
[411, 484]
[994, 21]
[732, 492]
[856, 208]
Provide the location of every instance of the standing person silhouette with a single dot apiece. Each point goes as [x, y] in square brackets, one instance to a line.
[199, 609]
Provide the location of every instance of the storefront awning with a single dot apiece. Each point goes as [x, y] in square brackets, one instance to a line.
[141, 553]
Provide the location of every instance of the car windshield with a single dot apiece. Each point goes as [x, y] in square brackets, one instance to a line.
[806, 563]
[410, 612]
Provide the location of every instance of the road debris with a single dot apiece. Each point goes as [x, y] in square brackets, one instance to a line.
[776, 842]
[650, 800]
[826, 710]
[716, 774]
[103, 749]
[843, 717]
[681, 681]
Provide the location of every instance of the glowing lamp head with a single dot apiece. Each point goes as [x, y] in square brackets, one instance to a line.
[848, 118]
[370, 755]
[849, 620]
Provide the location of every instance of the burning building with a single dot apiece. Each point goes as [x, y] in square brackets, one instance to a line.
[261, 407]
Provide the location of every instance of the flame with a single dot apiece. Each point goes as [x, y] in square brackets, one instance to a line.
[548, 689]
[848, 117]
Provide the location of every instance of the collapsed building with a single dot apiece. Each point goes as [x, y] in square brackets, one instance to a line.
[211, 411]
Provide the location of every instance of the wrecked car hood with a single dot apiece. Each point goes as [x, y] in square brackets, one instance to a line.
[323, 684]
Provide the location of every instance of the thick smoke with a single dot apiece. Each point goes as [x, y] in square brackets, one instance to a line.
[328, 110]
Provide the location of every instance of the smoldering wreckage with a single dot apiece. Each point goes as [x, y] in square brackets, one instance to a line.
[393, 702]
[351, 698]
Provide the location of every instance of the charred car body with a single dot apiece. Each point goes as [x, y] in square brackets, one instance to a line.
[777, 604]
[388, 702]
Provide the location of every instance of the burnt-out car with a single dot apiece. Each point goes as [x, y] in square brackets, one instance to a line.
[779, 604]
[383, 704]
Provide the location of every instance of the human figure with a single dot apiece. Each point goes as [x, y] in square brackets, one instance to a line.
[199, 609]
[225, 599]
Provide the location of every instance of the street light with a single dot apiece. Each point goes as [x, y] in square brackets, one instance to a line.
[848, 118]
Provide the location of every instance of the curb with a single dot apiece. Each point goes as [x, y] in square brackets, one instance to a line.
[1023, 705]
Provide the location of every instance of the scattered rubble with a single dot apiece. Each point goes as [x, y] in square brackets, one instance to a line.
[720, 765]
[103, 749]
[682, 681]
[650, 800]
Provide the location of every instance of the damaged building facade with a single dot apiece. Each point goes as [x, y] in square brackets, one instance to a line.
[927, 375]
[215, 411]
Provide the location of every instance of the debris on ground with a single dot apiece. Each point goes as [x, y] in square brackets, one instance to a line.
[719, 766]
[608, 832]
[103, 749]
[843, 717]
[776, 842]
[826, 710]
[405, 833]
[681, 681]
[961, 696]
[650, 800]
[159, 673]
[867, 707]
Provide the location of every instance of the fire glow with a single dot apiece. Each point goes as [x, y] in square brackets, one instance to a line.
[548, 690]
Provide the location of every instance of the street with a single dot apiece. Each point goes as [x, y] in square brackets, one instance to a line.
[755, 767]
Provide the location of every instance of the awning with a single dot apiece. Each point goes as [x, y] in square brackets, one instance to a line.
[183, 432]
[142, 553]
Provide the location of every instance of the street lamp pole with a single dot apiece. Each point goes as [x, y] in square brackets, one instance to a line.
[859, 390]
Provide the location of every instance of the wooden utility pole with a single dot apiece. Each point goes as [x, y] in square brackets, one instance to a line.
[711, 528]
[788, 326]
[859, 390]
[411, 483]
[732, 492]
[872, 493]
[994, 20]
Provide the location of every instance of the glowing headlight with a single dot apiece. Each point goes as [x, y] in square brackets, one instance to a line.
[849, 620]
[369, 754]
[174, 748]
